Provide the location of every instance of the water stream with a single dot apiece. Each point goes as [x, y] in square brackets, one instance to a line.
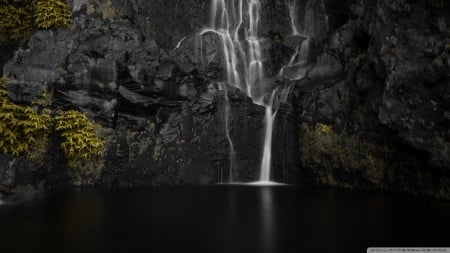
[237, 23]
[232, 152]
[292, 6]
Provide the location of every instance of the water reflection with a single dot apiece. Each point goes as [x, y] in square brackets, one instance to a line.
[268, 235]
[228, 218]
[81, 220]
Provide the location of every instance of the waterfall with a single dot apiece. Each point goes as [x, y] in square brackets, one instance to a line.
[232, 152]
[299, 60]
[267, 153]
[237, 22]
[316, 19]
[292, 6]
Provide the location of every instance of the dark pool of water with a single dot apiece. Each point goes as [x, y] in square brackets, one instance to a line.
[221, 219]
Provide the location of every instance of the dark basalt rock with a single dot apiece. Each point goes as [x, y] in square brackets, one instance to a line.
[377, 74]
[386, 81]
[160, 110]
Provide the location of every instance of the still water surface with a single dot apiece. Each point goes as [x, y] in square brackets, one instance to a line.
[221, 219]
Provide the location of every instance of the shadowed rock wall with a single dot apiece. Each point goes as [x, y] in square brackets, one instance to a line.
[366, 108]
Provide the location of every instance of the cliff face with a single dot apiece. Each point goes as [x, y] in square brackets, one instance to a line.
[384, 113]
[137, 69]
[367, 107]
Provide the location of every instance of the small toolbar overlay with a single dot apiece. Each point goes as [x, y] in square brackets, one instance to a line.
[408, 250]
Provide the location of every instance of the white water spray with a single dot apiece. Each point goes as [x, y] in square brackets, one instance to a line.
[237, 22]
[292, 6]
[316, 20]
[267, 153]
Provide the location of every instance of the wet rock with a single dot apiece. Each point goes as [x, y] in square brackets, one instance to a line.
[200, 52]
[378, 85]
[370, 78]
[7, 171]
[326, 67]
[25, 92]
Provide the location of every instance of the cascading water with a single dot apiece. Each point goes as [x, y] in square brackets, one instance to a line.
[316, 19]
[237, 22]
[227, 133]
[242, 51]
[292, 6]
[269, 118]
[315, 25]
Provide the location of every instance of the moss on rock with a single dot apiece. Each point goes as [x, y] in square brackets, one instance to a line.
[333, 155]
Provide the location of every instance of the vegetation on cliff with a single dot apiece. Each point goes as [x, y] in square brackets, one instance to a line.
[80, 141]
[20, 17]
[16, 20]
[24, 132]
[22, 129]
[324, 149]
[51, 13]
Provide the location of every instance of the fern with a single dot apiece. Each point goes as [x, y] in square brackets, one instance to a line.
[16, 20]
[52, 13]
[80, 141]
[21, 127]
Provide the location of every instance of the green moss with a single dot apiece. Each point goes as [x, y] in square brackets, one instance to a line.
[87, 172]
[359, 60]
[447, 47]
[438, 63]
[108, 11]
[328, 152]
[158, 151]
[398, 51]
[437, 4]
[37, 151]
[104, 8]
[277, 39]
[44, 100]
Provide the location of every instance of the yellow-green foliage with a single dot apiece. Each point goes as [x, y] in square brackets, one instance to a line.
[21, 128]
[80, 141]
[16, 19]
[50, 13]
[447, 47]
[438, 4]
[105, 8]
[321, 147]
[438, 62]
[108, 12]
[359, 60]
[19, 17]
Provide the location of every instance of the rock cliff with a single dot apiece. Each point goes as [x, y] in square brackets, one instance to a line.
[363, 97]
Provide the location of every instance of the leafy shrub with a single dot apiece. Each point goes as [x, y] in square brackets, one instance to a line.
[20, 17]
[21, 127]
[50, 13]
[80, 141]
[16, 20]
